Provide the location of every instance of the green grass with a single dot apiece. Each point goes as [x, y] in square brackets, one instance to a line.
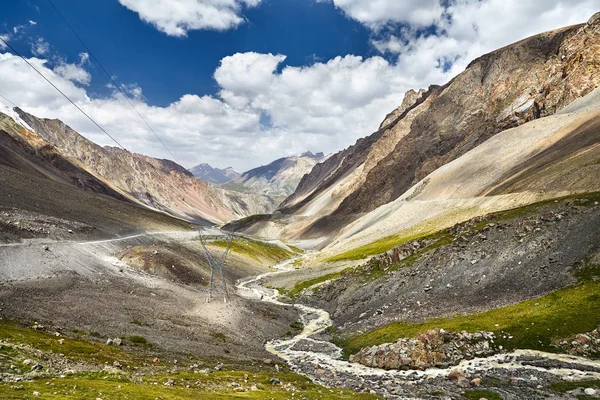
[256, 249]
[378, 247]
[536, 324]
[216, 385]
[300, 286]
[564, 386]
[72, 348]
[295, 249]
[146, 383]
[477, 394]
[136, 339]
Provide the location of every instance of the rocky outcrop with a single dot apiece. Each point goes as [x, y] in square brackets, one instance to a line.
[583, 344]
[160, 184]
[435, 348]
[410, 98]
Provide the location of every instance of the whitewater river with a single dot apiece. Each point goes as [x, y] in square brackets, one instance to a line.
[321, 361]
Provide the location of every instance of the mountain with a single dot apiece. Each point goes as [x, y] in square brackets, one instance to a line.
[525, 82]
[214, 175]
[54, 148]
[279, 178]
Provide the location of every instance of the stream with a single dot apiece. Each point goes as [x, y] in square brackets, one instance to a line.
[321, 360]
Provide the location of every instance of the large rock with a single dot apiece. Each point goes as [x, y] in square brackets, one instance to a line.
[434, 348]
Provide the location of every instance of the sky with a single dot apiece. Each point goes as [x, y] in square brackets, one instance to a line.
[243, 82]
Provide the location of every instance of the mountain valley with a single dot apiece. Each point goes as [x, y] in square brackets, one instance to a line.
[452, 254]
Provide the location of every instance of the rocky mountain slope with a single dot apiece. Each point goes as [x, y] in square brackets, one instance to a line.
[159, 184]
[279, 178]
[210, 174]
[527, 81]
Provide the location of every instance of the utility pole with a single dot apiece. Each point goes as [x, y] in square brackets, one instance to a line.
[216, 262]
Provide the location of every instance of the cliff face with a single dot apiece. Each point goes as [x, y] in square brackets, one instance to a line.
[527, 80]
[160, 184]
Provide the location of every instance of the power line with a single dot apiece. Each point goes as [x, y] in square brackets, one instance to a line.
[61, 92]
[110, 77]
[9, 101]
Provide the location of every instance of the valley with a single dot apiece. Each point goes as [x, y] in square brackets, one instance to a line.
[453, 254]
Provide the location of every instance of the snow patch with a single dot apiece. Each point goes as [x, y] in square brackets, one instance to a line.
[15, 116]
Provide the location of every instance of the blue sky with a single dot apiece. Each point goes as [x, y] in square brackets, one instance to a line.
[243, 82]
[167, 67]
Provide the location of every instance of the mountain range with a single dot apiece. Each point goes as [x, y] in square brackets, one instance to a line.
[278, 179]
[512, 108]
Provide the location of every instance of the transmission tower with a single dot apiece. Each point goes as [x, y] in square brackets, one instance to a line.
[217, 262]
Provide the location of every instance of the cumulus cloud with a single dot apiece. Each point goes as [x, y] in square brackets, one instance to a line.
[40, 47]
[377, 13]
[177, 17]
[73, 73]
[466, 29]
[281, 111]
[265, 109]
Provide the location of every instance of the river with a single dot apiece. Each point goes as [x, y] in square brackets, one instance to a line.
[321, 360]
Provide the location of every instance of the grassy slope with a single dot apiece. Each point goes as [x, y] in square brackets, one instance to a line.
[136, 380]
[259, 251]
[300, 286]
[534, 324]
[382, 245]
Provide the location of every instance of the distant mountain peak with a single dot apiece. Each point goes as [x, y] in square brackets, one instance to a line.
[218, 176]
[279, 178]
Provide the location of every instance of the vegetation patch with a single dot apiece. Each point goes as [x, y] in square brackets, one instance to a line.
[236, 225]
[300, 286]
[216, 385]
[147, 382]
[72, 348]
[537, 324]
[219, 336]
[256, 249]
[564, 386]
[136, 339]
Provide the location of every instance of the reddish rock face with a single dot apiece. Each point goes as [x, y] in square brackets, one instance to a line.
[160, 184]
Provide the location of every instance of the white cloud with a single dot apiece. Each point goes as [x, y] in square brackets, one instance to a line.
[31, 22]
[377, 13]
[321, 107]
[73, 73]
[40, 47]
[467, 29]
[266, 109]
[5, 38]
[83, 58]
[177, 17]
